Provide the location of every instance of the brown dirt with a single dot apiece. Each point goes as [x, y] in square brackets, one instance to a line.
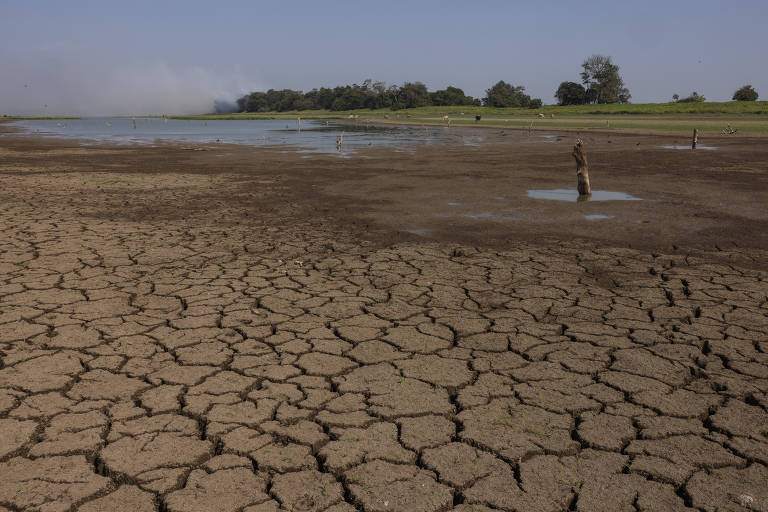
[261, 332]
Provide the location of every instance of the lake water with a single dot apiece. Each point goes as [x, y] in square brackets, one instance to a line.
[314, 136]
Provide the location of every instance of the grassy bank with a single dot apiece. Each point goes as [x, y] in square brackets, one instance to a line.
[747, 117]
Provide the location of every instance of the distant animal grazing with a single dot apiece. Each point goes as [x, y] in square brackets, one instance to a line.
[541, 116]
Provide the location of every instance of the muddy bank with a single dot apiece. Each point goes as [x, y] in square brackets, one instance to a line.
[475, 195]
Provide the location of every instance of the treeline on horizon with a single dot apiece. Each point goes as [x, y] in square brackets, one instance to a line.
[601, 83]
[600, 79]
[377, 95]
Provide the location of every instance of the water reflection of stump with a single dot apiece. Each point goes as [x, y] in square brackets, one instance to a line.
[582, 171]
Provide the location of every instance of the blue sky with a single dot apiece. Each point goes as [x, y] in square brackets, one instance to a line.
[102, 57]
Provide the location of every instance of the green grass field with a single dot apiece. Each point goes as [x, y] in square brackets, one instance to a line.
[748, 117]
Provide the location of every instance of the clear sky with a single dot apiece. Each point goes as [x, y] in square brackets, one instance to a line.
[140, 57]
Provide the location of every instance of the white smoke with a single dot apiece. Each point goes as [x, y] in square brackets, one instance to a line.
[97, 87]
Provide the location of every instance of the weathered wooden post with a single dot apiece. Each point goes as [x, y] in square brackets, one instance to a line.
[582, 169]
[695, 139]
[339, 141]
[298, 123]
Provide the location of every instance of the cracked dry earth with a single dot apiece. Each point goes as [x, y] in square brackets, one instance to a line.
[170, 366]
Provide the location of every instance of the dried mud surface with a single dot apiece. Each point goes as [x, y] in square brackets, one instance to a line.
[186, 332]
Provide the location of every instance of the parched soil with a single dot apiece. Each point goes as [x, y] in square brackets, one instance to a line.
[243, 329]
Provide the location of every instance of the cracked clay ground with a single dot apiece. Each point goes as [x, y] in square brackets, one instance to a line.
[187, 362]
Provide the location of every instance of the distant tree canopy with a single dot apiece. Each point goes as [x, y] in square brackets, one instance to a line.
[746, 93]
[693, 98]
[507, 95]
[376, 95]
[571, 93]
[602, 81]
[601, 84]
[452, 96]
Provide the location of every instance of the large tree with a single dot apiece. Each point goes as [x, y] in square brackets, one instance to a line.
[506, 95]
[571, 93]
[746, 93]
[413, 94]
[602, 81]
[451, 96]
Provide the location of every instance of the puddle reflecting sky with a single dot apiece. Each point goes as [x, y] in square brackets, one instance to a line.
[571, 195]
[710, 148]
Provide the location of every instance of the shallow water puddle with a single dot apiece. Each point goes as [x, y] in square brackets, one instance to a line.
[571, 195]
[710, 148]
[598, 216]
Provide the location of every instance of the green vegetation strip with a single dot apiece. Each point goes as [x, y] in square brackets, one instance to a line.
[746, 117]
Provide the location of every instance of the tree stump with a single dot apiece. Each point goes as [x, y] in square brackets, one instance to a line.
[339, 141]
[695, 139]
[582, 169]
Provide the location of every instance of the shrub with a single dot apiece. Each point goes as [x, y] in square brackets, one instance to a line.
[746, 93]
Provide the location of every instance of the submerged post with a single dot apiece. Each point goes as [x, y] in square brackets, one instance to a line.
[339, 141]
[582, 169]
[298, 123]
[695, 139]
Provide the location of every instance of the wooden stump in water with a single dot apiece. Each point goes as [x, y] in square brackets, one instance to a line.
[582, 169]
[339, 141]
[695, 139]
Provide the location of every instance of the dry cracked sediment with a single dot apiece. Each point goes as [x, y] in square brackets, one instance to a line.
[173, 367]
